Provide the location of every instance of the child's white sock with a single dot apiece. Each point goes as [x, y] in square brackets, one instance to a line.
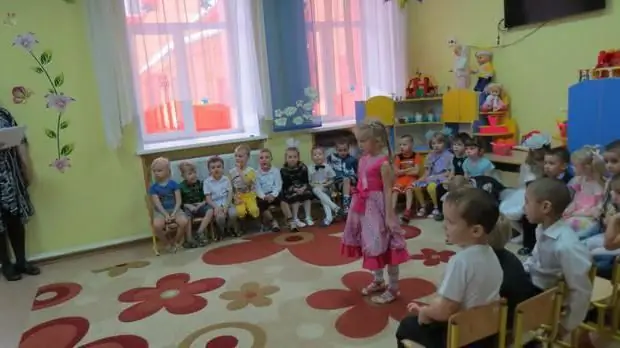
[393, 275]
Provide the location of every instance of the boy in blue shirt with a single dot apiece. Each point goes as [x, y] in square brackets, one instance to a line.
[476, 164]
[345, 167]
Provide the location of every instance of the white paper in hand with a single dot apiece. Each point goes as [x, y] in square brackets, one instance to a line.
[11, 137]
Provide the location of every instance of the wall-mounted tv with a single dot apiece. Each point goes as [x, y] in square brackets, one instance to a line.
[523, 12]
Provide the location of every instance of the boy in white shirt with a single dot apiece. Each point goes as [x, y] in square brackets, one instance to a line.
[268, 189]
[321, 176]
[473, 276]
[558, 253]
[218, 195]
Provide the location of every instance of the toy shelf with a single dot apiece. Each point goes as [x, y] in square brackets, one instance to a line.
[417, 124]
[421, 99]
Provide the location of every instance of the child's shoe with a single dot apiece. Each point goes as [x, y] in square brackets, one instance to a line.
[434, 213]
[326, 222]
[373, 288]
[274, 226]
[421, 212]
[292, 226]
[190, 245]
[386, 297]
[299, 224]
[309, 221]
[438, 217]
[406, 216]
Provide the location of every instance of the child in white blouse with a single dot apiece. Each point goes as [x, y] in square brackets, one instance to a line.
[219, 195]
[268, 189]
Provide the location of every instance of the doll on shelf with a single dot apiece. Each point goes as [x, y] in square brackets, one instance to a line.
[493, 101]
[461, 64]
[485, 70]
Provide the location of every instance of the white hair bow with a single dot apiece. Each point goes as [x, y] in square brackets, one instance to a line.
[537, 141]
[595, 150]
[292, 142]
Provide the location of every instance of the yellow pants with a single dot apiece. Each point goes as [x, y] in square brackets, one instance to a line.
[431, 189]
[247, 206]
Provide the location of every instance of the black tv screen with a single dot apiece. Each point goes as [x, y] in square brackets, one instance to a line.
[523, 12]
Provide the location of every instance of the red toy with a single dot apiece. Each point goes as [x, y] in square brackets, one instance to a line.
[420, 86]
[607, 59]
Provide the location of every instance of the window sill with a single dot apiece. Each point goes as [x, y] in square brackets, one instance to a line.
[175, 145]
[329, 126]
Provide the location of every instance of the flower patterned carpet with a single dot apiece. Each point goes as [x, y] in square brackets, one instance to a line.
[262, 291]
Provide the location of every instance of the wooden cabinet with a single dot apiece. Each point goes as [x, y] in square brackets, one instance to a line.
[460, 106]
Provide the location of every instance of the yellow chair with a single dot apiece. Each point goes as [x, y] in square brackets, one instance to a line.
[541, 312]
[477, 323]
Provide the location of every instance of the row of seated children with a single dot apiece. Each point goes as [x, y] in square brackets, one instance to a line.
[482, 271]
[247, 192]
[465, 157]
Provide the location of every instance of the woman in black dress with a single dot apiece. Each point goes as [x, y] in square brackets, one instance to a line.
[15, 205]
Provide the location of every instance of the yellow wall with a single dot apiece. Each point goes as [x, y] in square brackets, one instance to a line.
[536, 72]
[100, 199]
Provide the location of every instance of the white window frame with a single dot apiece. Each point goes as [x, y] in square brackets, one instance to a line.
[182, 89]
[322, 28]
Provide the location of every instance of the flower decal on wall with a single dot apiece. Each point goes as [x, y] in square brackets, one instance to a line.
[55, 99]
[298, 116]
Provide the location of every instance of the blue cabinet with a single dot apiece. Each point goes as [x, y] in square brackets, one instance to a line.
[593, 113]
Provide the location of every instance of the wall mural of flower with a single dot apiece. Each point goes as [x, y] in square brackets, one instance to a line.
[55, 99]
[298, 116]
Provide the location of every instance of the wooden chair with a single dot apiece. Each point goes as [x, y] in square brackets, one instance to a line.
[539, 313]
[477, 323]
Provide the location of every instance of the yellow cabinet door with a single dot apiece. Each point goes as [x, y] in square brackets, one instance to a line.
[451, 107]
[468, 106]
[380, 108]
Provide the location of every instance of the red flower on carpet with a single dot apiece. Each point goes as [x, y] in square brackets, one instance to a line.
[60, 293]
[432, 257]
[363, 318]
[303, 245]
[69, 331]
[174, 293]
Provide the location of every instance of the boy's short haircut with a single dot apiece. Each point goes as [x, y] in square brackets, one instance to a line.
[215, 159]
[315, 148]
[458, 182]
[476, 207]
[560, 153]
[408, 137]
[163, 161]
[552, 190]
[613, 146]
[461, 137]
[266, 150]
[473, 142]
[186, 167]
[342, 142]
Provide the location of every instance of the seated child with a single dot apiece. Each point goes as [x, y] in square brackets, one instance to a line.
[268, 190]
[517, 285]
[473, 276]
[321, 177]
[556, 164]
[166, 198]
[345, 167]
[512, 205]
[436, 170]
[219, 196]
[296, 186]
[194, 204]
[583, 213]
[558, 254]
[406, 169]
[458, 150]
[243, 180]
[476, 164]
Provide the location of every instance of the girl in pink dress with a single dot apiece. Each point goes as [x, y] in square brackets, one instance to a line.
[373, 231]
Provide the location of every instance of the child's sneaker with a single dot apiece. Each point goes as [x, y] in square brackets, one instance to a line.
[386, 297]
[299, 224]
[421, 212]
[326, 222]
[406, 216]
[274, 226]
[309, 221]
[292, 226]
[434, 213]
[438, 217]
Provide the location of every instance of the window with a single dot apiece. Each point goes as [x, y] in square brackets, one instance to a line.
[334, 35]
[190, 68]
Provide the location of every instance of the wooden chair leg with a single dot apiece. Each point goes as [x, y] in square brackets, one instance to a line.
[155, 246]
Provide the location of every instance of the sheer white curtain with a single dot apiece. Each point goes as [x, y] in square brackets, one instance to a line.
[384, 48]
[106, 29]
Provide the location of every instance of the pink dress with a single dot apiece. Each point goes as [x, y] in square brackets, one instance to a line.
[587, 204]
[366, 233]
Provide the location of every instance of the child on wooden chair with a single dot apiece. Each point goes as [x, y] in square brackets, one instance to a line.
[219, 195]
[194, 204]
[243, 180]
[321, 179]
[345, 167]
[473, 276]
[166, 197]
[269, 192]
[558, 253]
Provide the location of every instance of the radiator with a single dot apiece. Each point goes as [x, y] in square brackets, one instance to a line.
[201, 164]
